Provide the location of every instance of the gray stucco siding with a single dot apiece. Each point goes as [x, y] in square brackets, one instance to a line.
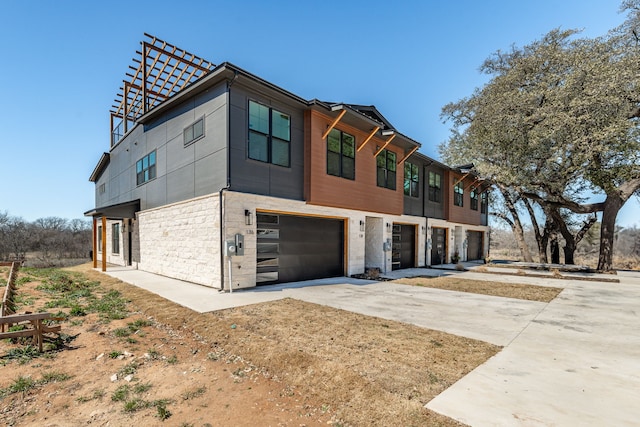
[257, 177]
[181, 172]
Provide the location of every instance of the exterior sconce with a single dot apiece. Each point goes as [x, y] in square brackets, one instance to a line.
[424, 230]
[248, 217]
[361, 225]
[388, 227]
[429, 230]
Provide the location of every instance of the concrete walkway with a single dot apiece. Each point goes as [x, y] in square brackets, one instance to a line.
[574, 361]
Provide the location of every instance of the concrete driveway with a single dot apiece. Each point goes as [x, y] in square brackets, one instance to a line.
[574, 361]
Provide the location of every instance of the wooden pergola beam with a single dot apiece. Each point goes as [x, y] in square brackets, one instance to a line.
[373, 132]
[413, 150]
[384, 146]
[335, 122]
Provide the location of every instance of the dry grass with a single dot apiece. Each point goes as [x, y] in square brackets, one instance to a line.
[369, 371]
[508, 290]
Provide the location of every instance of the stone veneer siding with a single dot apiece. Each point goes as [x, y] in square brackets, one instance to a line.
[182, 240]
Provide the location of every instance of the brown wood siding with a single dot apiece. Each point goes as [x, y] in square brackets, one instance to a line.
[361, 193]
[464, 214]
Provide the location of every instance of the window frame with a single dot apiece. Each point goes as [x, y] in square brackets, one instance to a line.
[99, 239]
[341, 155]
[142, 177]
[458, 194]
[473, 197]
[387, 156]
[268, 135]
[484, 202]
[409, 189]
[435, 191]
[115, 238]
[188, 140]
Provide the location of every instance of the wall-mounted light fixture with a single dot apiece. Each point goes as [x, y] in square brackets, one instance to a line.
[424, 230]
[429, 230]
[248, 217]
[361, 225]
[388, 227]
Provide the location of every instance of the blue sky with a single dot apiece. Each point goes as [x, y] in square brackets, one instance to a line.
[63, 62]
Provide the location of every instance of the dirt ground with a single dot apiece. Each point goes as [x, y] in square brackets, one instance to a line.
[283, 363]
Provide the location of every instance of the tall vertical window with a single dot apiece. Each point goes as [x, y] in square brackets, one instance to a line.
[386, 165]
[115, 238]
[269, 135]
[341, 154]
[411, 179]
[435, 187]
[484, 202]
[458, 194]
[474, 199]
[99, 238]
[146, 168]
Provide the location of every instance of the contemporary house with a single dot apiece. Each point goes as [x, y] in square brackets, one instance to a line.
[218, 177]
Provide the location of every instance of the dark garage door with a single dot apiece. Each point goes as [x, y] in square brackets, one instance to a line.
[404, 249]
[474, 245]
[292, 248]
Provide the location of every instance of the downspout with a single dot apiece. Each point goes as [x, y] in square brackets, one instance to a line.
[228, 184]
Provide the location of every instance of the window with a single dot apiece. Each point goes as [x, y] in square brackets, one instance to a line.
[269, 135]
[411, 179]
[146, 168]
[99, 238]
[435, 187]
[194, 132]
[484, 202]
[386, 162]
[341, 154]
[115, 238]
[458, 194]
[474, 199]
[102, 188]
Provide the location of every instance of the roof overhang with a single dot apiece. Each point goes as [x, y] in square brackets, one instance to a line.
[102, 164]
[117, 211]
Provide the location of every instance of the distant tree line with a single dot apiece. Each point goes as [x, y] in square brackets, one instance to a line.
[49, 241]
[626, 245]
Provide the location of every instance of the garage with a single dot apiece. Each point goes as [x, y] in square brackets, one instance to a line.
[293, 248]
[474, 245]
[404, 246]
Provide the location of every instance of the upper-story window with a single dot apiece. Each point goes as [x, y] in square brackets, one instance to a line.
[458, 193]
[194, 131]
[386, 165]
[435, 187]
[341, 154]
[146, 168]
[102, 188]
[269, 135]
[484, 202]
[474, 198]
[411, 179]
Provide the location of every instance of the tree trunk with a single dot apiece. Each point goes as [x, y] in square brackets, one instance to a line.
[516, 225]
[555, 248]
[612, 206]
[569, 249]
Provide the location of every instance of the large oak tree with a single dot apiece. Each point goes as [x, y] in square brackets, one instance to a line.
[558, 120]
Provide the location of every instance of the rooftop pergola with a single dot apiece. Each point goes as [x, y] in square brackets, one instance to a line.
[158, 72]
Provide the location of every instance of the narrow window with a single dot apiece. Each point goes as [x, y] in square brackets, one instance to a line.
[194, 132]
[99, 238]
[474, 199]
[411, 179]
[341, 154]
[435, 187]
[102, 188]
[484, 202]
[269, 135]
[115, 238]
[386, 165]
[146, 168]
[458, 194]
